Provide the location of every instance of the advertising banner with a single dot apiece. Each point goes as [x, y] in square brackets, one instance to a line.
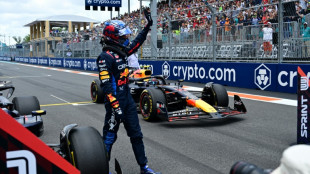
[303, 108]
[56, 62]
[5, 59]
[90, 65]
[43, 61]
[270, 77]
[105, 3]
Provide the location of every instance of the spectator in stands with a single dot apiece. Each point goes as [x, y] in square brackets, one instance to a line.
[303, 4]
[227, 29]
[267, 38]
[265, 18]
[240, 25]
[306, 36]
[255, 27]
[69, 53]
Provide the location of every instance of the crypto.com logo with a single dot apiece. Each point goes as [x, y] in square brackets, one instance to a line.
[166, 69]
[262, 77]
[24, 160]
[85, 64]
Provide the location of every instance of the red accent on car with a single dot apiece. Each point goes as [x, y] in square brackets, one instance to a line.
[48, 158]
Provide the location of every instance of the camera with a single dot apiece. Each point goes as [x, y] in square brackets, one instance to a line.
[242, 167]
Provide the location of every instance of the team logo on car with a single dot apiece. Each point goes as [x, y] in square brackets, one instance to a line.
[166, 69]
[262, 77]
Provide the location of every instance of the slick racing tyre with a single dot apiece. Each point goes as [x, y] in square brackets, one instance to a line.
[25, 105]
[148, 103]
[96, 92]
[88, 151]
[215, 95]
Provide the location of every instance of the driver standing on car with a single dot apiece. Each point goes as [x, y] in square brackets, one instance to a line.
[113, 74]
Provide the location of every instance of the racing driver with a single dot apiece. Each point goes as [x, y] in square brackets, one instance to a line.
[113, 74]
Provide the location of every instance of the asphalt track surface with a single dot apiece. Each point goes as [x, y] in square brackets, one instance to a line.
[183, 147]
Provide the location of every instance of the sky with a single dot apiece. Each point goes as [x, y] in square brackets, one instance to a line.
[14, 14]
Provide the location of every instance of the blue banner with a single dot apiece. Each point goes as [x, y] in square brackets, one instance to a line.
[271, 77]
[56, 62]
[104, 3]
[90, 65]
[5, 58]
[43, 61]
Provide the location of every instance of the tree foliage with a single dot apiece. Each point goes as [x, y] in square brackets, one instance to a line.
[26, 38]
[18, 39]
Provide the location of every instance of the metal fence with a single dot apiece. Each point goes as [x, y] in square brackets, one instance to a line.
[237, 42]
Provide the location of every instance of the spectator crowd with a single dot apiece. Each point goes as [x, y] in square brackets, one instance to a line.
[235, 20]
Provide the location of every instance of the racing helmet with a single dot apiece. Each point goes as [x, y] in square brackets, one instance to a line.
[153, 81]
[115, 29]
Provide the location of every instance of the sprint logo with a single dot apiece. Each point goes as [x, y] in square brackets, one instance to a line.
[262, 77]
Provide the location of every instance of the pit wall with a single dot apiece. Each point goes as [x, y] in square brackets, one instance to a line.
[269, 77]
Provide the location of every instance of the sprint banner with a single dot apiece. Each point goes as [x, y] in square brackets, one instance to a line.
[303, 109]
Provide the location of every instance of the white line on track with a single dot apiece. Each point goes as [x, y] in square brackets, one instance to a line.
[60, 99]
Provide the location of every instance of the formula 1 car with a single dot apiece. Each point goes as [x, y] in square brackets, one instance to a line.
[25, 110]
[170, 102]
[84, 148]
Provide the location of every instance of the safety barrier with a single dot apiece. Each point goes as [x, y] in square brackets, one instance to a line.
[263, 76]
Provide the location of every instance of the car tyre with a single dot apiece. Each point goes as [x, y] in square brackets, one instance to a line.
[148, 103]
[96, 92]
[25, 105]
[215, 95]
[88, 151]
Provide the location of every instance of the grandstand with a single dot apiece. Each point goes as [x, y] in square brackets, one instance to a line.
[46, 33]
[238, 32]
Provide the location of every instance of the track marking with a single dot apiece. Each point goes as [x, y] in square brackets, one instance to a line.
[60, 99]
[73, 104]
[275, 100]
[15, 77]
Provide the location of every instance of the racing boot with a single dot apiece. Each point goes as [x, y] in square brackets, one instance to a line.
[147, 170]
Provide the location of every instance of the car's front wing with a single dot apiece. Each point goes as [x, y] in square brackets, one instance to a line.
[192, 113]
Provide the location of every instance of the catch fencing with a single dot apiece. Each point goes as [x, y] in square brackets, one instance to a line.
[215, 39]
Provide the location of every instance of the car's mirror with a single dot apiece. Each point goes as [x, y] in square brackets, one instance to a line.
[10, 93]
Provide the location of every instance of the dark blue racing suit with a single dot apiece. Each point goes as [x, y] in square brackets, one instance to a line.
[120, 106]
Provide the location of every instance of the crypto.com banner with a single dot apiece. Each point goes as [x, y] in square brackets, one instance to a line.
[71, 63]
[271, 77]
[303, 108]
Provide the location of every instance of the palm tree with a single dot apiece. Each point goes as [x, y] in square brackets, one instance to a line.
[26, 38]
[18, 39]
